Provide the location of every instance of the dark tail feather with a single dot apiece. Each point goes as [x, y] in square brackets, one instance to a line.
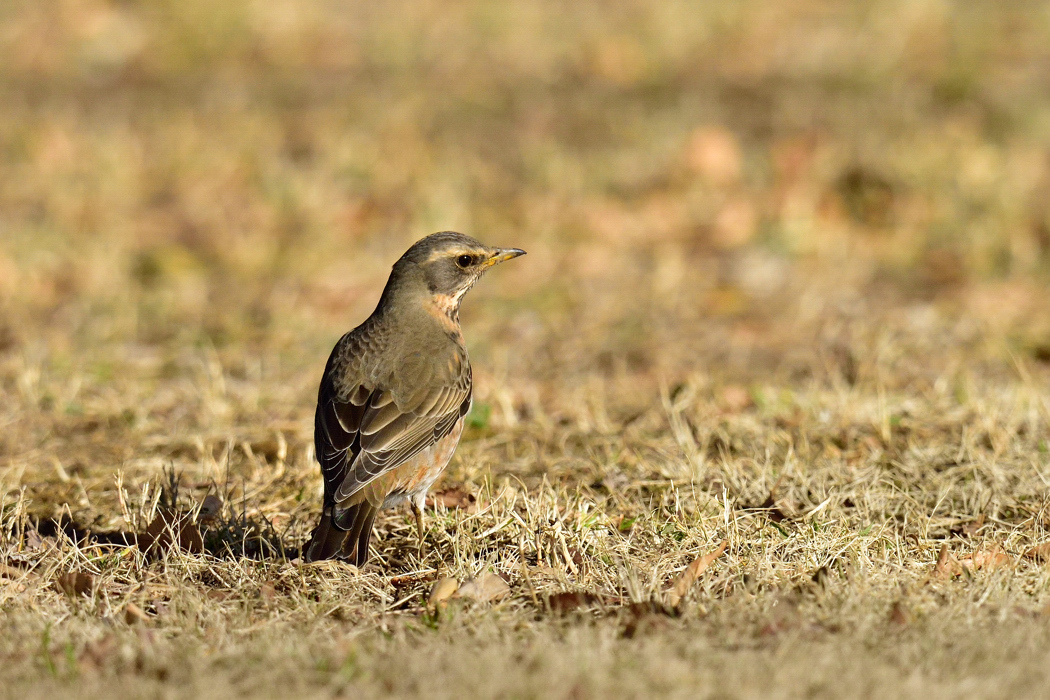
[355, 546]
[343, 535]
[326, 540]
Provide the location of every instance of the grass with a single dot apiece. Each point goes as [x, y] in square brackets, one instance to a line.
[786, 288]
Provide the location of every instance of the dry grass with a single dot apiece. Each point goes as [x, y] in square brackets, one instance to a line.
[786, 288]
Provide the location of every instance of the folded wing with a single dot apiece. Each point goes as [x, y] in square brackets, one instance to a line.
[361, 432]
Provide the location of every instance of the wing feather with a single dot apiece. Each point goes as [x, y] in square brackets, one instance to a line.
[361, 433]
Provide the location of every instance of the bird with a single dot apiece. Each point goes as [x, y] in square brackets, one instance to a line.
[394, 394]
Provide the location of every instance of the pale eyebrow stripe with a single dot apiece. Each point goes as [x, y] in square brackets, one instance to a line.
[458, 251]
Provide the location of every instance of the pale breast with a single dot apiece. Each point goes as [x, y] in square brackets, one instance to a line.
[414, 478]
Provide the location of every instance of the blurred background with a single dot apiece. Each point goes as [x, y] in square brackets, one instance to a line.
[198, 198]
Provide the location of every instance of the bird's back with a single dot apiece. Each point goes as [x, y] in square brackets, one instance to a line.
[391, 389]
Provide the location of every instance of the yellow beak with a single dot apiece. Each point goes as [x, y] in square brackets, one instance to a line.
[503, 255]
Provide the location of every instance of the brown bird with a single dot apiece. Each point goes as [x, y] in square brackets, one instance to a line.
[393, 396]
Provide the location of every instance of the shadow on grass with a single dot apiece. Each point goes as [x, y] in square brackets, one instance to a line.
[243, 537]
[212, 527]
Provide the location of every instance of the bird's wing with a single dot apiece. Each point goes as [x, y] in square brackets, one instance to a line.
[363, 429]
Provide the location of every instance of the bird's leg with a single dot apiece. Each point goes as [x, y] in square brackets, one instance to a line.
[417, 510]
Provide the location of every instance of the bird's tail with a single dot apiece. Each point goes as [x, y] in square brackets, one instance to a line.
[342, 534]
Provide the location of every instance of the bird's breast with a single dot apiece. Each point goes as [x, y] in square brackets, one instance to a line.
[414, 478]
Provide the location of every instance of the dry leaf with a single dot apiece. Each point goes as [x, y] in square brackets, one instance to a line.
[542, 571]
[34, 541]
[771, 509]
[442, 590]
[133, 614]
[483, 589]
[267, 592]
[899, 615]
[989, 558]
[820, 577]
[974, 526]
[210, 508]
[12, 572]
[947, 566]
[158, 536]
[687, 578]
[1039, 553]
[566, 601]
[646, 617]
[75, 583]
[453, 498]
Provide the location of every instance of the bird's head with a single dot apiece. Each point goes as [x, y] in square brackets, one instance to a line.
[445, 265]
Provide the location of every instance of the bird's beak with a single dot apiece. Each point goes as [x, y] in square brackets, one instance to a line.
[503, 255]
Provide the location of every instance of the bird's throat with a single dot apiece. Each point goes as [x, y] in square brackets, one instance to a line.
[445, 308]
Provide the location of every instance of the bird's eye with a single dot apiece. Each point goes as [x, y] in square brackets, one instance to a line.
[465, 260]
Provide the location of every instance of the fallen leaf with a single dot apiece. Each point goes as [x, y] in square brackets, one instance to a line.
[947, 566]
[483, 589]
[974, 526]
[785, 615]
[210, 508]
[442, 590]
[75, 583]
[267, 592]
[35, 541]
[567, 601]
[133, 614]
[1039, 553]
[1022, 611]
[453, 498]
[575, 556]
[542, 571]
[12, 572]
[899, 615]
[614, 482]
[687, 578]
[159, 534]
[989, 558]
[771, 509]
[644, 617]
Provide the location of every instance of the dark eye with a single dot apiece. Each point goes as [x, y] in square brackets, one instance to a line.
[465, 260]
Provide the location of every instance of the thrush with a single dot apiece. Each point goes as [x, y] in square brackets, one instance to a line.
[395, 392]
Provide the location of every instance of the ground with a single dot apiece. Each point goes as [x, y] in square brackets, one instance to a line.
[786, 290]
